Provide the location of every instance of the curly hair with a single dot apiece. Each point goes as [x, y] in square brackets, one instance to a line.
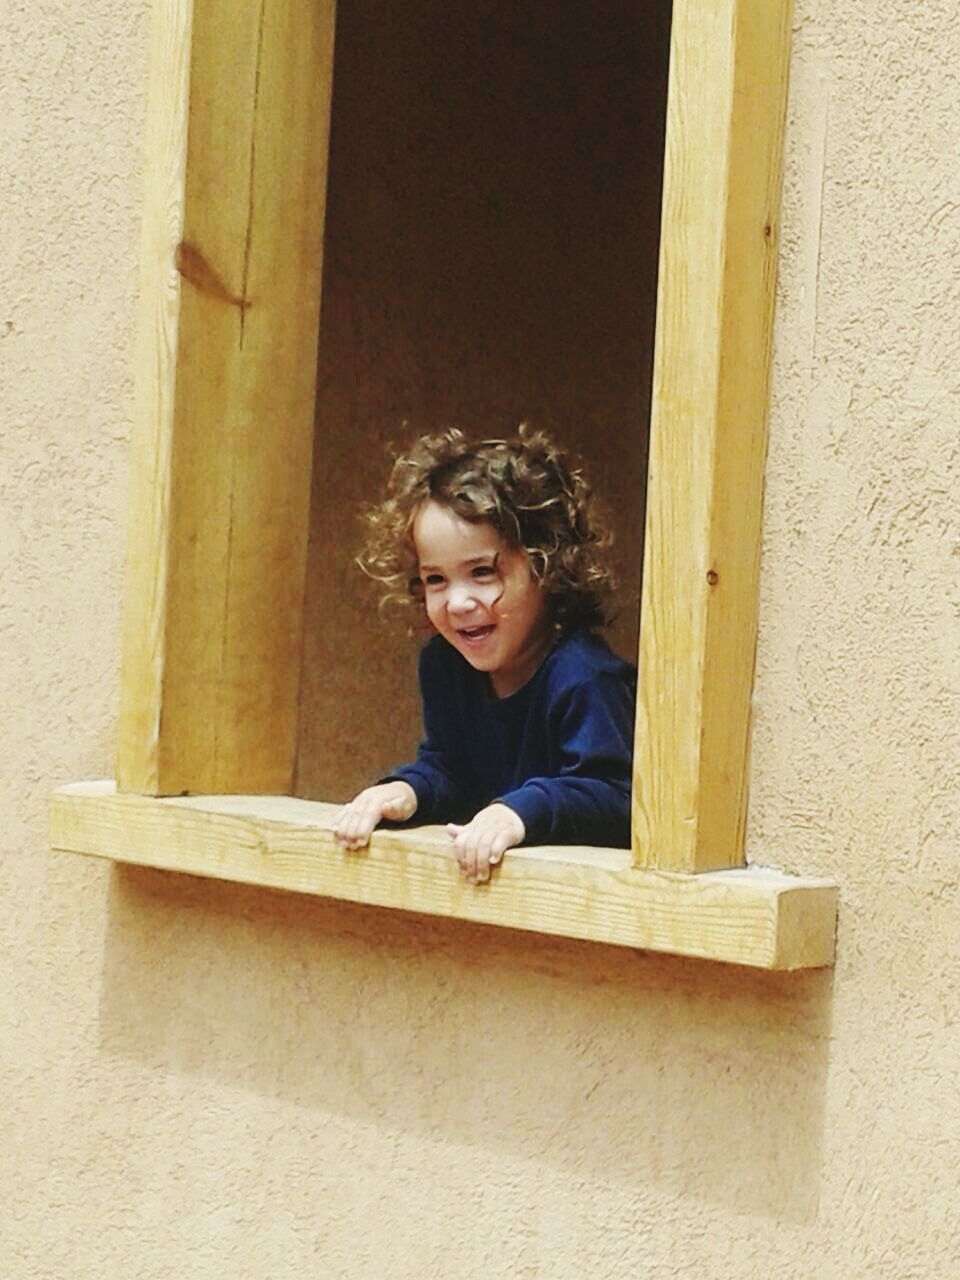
[526, 488]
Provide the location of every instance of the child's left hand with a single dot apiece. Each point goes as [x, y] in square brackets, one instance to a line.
[485, 839]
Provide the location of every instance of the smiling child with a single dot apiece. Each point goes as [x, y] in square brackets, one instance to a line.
[528, 715]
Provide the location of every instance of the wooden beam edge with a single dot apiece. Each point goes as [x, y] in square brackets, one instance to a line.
[752, 916]
[146, 575]
[715, 308]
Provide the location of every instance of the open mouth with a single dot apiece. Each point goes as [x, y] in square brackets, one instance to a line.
[474, 634]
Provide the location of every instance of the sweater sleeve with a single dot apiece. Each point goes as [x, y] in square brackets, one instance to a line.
[588, 800]
[438, 776]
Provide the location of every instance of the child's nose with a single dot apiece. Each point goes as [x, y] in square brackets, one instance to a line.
[461, 600]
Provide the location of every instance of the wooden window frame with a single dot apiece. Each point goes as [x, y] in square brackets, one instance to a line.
[232, 253]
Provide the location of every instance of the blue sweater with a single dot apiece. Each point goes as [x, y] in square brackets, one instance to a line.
[557, 751]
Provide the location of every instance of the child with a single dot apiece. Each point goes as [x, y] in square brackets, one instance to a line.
[528, 715]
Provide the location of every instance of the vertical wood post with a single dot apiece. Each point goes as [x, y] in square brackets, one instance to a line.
[237, 140]
[722, 178]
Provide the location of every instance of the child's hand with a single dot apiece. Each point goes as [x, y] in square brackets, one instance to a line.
[356, 821]
[485, 839]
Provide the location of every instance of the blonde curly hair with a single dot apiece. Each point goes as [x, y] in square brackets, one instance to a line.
[526, 488]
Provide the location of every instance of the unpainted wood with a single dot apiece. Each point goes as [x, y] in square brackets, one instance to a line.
[750, 917]
[158, 313]
[718, 250]
[238, 120]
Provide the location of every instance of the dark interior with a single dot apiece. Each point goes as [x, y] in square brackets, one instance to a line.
[491, 255]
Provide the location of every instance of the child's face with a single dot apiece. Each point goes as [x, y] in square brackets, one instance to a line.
[481, 596]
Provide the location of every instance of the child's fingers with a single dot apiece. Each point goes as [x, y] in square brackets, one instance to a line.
[352, 836]
[355, 825]
[459, 834]
[465, 848]
[480, 862]
[479, 848]
[499, 848]
[356, 821]
[466, 853]
[501, 842]
[484, 855]
[481, 874]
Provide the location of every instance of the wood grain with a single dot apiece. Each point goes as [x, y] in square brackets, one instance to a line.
[238, 120]
[751, 917]
[718, 250]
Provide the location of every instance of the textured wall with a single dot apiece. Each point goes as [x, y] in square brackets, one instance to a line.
[210, 1081]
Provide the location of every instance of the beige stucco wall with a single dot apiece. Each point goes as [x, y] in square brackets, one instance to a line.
[208, 1081]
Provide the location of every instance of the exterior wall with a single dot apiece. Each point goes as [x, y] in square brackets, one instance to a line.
[211, 1081]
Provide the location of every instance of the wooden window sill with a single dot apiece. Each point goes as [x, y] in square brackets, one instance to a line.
[751, 916]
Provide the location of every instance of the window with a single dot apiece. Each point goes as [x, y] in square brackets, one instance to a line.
[512, 149]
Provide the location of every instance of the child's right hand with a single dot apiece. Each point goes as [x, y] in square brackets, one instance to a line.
[356, 821]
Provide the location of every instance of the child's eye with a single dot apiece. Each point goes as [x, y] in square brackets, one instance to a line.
[484, 571]
[433, 580]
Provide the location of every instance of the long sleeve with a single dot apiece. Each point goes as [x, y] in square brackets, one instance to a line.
[558, 751]
[587, 801]
[440, 772]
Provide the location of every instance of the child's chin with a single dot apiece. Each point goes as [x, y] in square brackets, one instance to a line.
[479, 661]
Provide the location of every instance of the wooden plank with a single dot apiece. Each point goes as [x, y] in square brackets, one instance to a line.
[718, 253]
[751, 917]
[238, 122]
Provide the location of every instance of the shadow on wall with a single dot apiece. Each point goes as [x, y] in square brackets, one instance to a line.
[704, 1080]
